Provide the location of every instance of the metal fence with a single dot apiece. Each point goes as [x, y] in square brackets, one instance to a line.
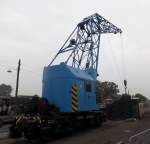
[140, 138]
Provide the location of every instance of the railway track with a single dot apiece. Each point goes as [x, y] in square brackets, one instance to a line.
[4, 132]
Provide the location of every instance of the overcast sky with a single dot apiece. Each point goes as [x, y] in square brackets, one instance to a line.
[34, 30]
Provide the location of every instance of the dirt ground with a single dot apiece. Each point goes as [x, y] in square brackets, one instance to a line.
[111, 132]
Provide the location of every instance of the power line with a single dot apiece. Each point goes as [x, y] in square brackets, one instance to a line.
[23, 68]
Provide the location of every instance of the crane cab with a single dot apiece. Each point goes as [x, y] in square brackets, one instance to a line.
[70, 89]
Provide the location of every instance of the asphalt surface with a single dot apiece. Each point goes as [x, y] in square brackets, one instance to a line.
[111, 132]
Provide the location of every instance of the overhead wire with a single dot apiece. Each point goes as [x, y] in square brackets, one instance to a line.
[24, 67]
[30, 69]
[8, 66]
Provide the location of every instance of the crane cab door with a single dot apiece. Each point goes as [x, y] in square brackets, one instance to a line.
[82, 96]
[90, 97]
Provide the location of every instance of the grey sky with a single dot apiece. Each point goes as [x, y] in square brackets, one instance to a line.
[34, 30]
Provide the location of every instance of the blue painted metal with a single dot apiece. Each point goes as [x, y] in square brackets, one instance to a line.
[80, 68]
[57, 83]
[82, 46]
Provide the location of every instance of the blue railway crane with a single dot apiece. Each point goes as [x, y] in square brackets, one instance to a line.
[68, 100]
[71, 84]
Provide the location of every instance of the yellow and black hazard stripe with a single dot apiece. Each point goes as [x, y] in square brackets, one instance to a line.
[74, 98]
[19, 118]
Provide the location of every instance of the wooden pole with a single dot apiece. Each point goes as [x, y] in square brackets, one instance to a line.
[17, 80]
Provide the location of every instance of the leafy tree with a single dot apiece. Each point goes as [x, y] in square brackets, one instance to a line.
[5, 90]
[141, 97]
[105, 89]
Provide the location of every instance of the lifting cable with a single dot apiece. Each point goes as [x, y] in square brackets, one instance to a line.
[121, 70]
[115, 63]
[124, 68]
[111, 58]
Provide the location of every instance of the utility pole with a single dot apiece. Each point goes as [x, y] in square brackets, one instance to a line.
[17, 80]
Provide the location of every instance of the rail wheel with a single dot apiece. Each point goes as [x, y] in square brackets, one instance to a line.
[14, 133]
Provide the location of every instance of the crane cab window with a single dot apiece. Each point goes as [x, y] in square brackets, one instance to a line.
[88, 86]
